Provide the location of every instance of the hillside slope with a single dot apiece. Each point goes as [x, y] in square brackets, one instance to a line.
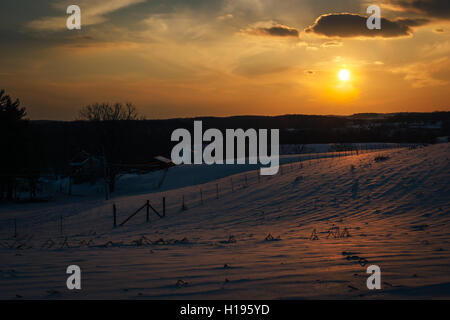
[253, 241]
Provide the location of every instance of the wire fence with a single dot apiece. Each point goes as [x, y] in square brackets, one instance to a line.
[99, 217]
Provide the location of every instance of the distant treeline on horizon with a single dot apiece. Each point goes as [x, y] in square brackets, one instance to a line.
[138, 141]
[389, 117]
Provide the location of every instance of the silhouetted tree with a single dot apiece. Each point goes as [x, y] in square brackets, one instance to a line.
[13, 144]
[109, 119]
[109, 112]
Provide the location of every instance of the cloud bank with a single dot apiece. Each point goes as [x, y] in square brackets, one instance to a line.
[349, 25]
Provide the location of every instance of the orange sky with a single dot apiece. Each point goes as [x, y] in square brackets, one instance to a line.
[225, 57]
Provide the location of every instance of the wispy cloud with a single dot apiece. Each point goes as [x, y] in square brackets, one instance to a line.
[332, 44]
[271, 29]
[93, 12]
[429, 8]
[427, 73]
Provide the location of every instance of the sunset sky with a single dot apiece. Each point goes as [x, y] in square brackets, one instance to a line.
[182, 58]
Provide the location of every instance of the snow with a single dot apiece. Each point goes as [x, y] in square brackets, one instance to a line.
[396, 213]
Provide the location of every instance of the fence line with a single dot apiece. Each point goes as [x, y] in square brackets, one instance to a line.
[195, 199]
[190, 201]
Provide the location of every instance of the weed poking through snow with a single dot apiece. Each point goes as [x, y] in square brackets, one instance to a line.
[272, 238]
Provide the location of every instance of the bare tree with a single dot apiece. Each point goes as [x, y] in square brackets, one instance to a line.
[109, 112]
[107, 120]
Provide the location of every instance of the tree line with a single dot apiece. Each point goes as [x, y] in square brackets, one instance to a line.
[121, 136]
[29, 149]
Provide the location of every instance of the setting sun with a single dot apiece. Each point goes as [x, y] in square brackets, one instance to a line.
[344, 75]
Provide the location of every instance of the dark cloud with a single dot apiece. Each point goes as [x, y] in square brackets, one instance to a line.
[349, 25]
[430, 8]
[273, 31]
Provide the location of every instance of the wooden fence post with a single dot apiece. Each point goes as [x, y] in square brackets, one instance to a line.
[61, 225]
[114, 215]
[183, 206]
[164, 206]
[201, 196]
[217, 191]
[148, 211]
[232, 185]
[15, 228]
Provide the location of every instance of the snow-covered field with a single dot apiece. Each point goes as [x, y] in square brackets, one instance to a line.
[255, 241]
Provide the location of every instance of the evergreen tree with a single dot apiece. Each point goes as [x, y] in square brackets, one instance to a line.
[13, 146]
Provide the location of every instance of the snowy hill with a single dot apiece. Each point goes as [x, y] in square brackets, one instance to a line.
[309, 232]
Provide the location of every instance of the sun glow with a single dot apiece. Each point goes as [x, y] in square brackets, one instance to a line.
[344, 75]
